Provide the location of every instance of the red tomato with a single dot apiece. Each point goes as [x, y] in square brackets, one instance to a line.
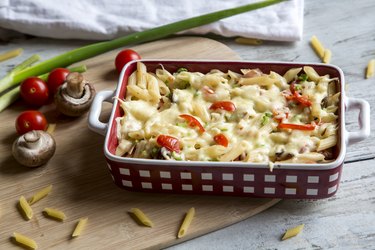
[56, 78]
[304, 100]
[224, 105]
[297, 126]
[30, 120]
[221, 139]
[192, 122]
[125, 56]
[34, 91]
[169, 142]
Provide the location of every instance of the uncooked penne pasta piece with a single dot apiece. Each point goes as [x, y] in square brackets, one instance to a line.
[40, 194]
[293, 232]
[25, 207]
[327, 56]
[51, 128]
[248, 41]
[25, 241]
[186, 223]
[142, 217]
[79, 228]
[10, 54]
[370, 68]
[55, 214]
[317, 46]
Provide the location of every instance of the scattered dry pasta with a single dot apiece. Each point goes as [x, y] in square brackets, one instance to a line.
[292, 232]
[10, 54]
[327, 56]
[79, 228]
[40, 194]
[248, 41]
[55, 214]
[324, 54]
[317, 46]
[142, 217]
[25, 208]
[25, 241]
[51, 128]
[186, 223]
[370, 68]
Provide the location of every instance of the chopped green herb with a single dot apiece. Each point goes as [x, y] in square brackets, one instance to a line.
[182, 70]
[182, 84]
[303, 77]
[266, 118]
[298, 87]
[182, 124]
[176, 156]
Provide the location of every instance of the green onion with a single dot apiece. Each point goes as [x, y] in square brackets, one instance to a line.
[80, 69]
[95, 49]
[266, 118]
[182, 70]
[303, 77]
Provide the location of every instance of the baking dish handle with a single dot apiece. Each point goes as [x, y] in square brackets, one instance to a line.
[96, 108]
[363, 120]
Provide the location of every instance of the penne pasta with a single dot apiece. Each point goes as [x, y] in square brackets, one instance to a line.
[327, 56]
[326, 143]
[25, 208]
[370, 68]
[25, 241]
[55, 214]
[10, 54]
[292, 74]
[142, 218]
[40, 194]
[51, 128]
[79, 227]
[293, 232]
[317, 46]
[248, 41]
[186, 223]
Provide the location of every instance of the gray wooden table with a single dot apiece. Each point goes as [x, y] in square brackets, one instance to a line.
[345, 221]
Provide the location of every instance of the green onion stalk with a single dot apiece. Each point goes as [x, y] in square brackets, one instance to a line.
[95, 49]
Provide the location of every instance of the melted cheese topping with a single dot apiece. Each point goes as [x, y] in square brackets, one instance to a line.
[254, 130]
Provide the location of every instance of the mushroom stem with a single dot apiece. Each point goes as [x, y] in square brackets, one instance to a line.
[32, 139]
[75, 85]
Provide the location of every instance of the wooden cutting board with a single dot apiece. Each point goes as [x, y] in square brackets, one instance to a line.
[82, 186]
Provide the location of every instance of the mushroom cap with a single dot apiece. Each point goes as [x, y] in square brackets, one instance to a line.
[34, 148]
[71, 106]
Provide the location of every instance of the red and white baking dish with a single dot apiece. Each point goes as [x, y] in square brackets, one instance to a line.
[310, 181]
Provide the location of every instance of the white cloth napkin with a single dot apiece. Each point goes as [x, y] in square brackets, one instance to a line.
[103, 19]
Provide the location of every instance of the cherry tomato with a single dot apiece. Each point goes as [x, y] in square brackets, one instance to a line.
[30, 120]
[221, 139]
[224, 105]
[297, 126]
[125, 56]
[192, 122]
[56, 78]
[169, 142]
[34, 91]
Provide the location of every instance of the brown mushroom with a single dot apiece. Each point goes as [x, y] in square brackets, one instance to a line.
[34, 148]
[75, 96]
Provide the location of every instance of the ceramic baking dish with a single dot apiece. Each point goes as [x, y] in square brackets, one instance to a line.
[311, 181]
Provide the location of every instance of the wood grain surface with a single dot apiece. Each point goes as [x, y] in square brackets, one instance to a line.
[82, 186]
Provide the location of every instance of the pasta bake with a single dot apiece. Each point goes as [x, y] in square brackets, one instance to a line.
[248, 116]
